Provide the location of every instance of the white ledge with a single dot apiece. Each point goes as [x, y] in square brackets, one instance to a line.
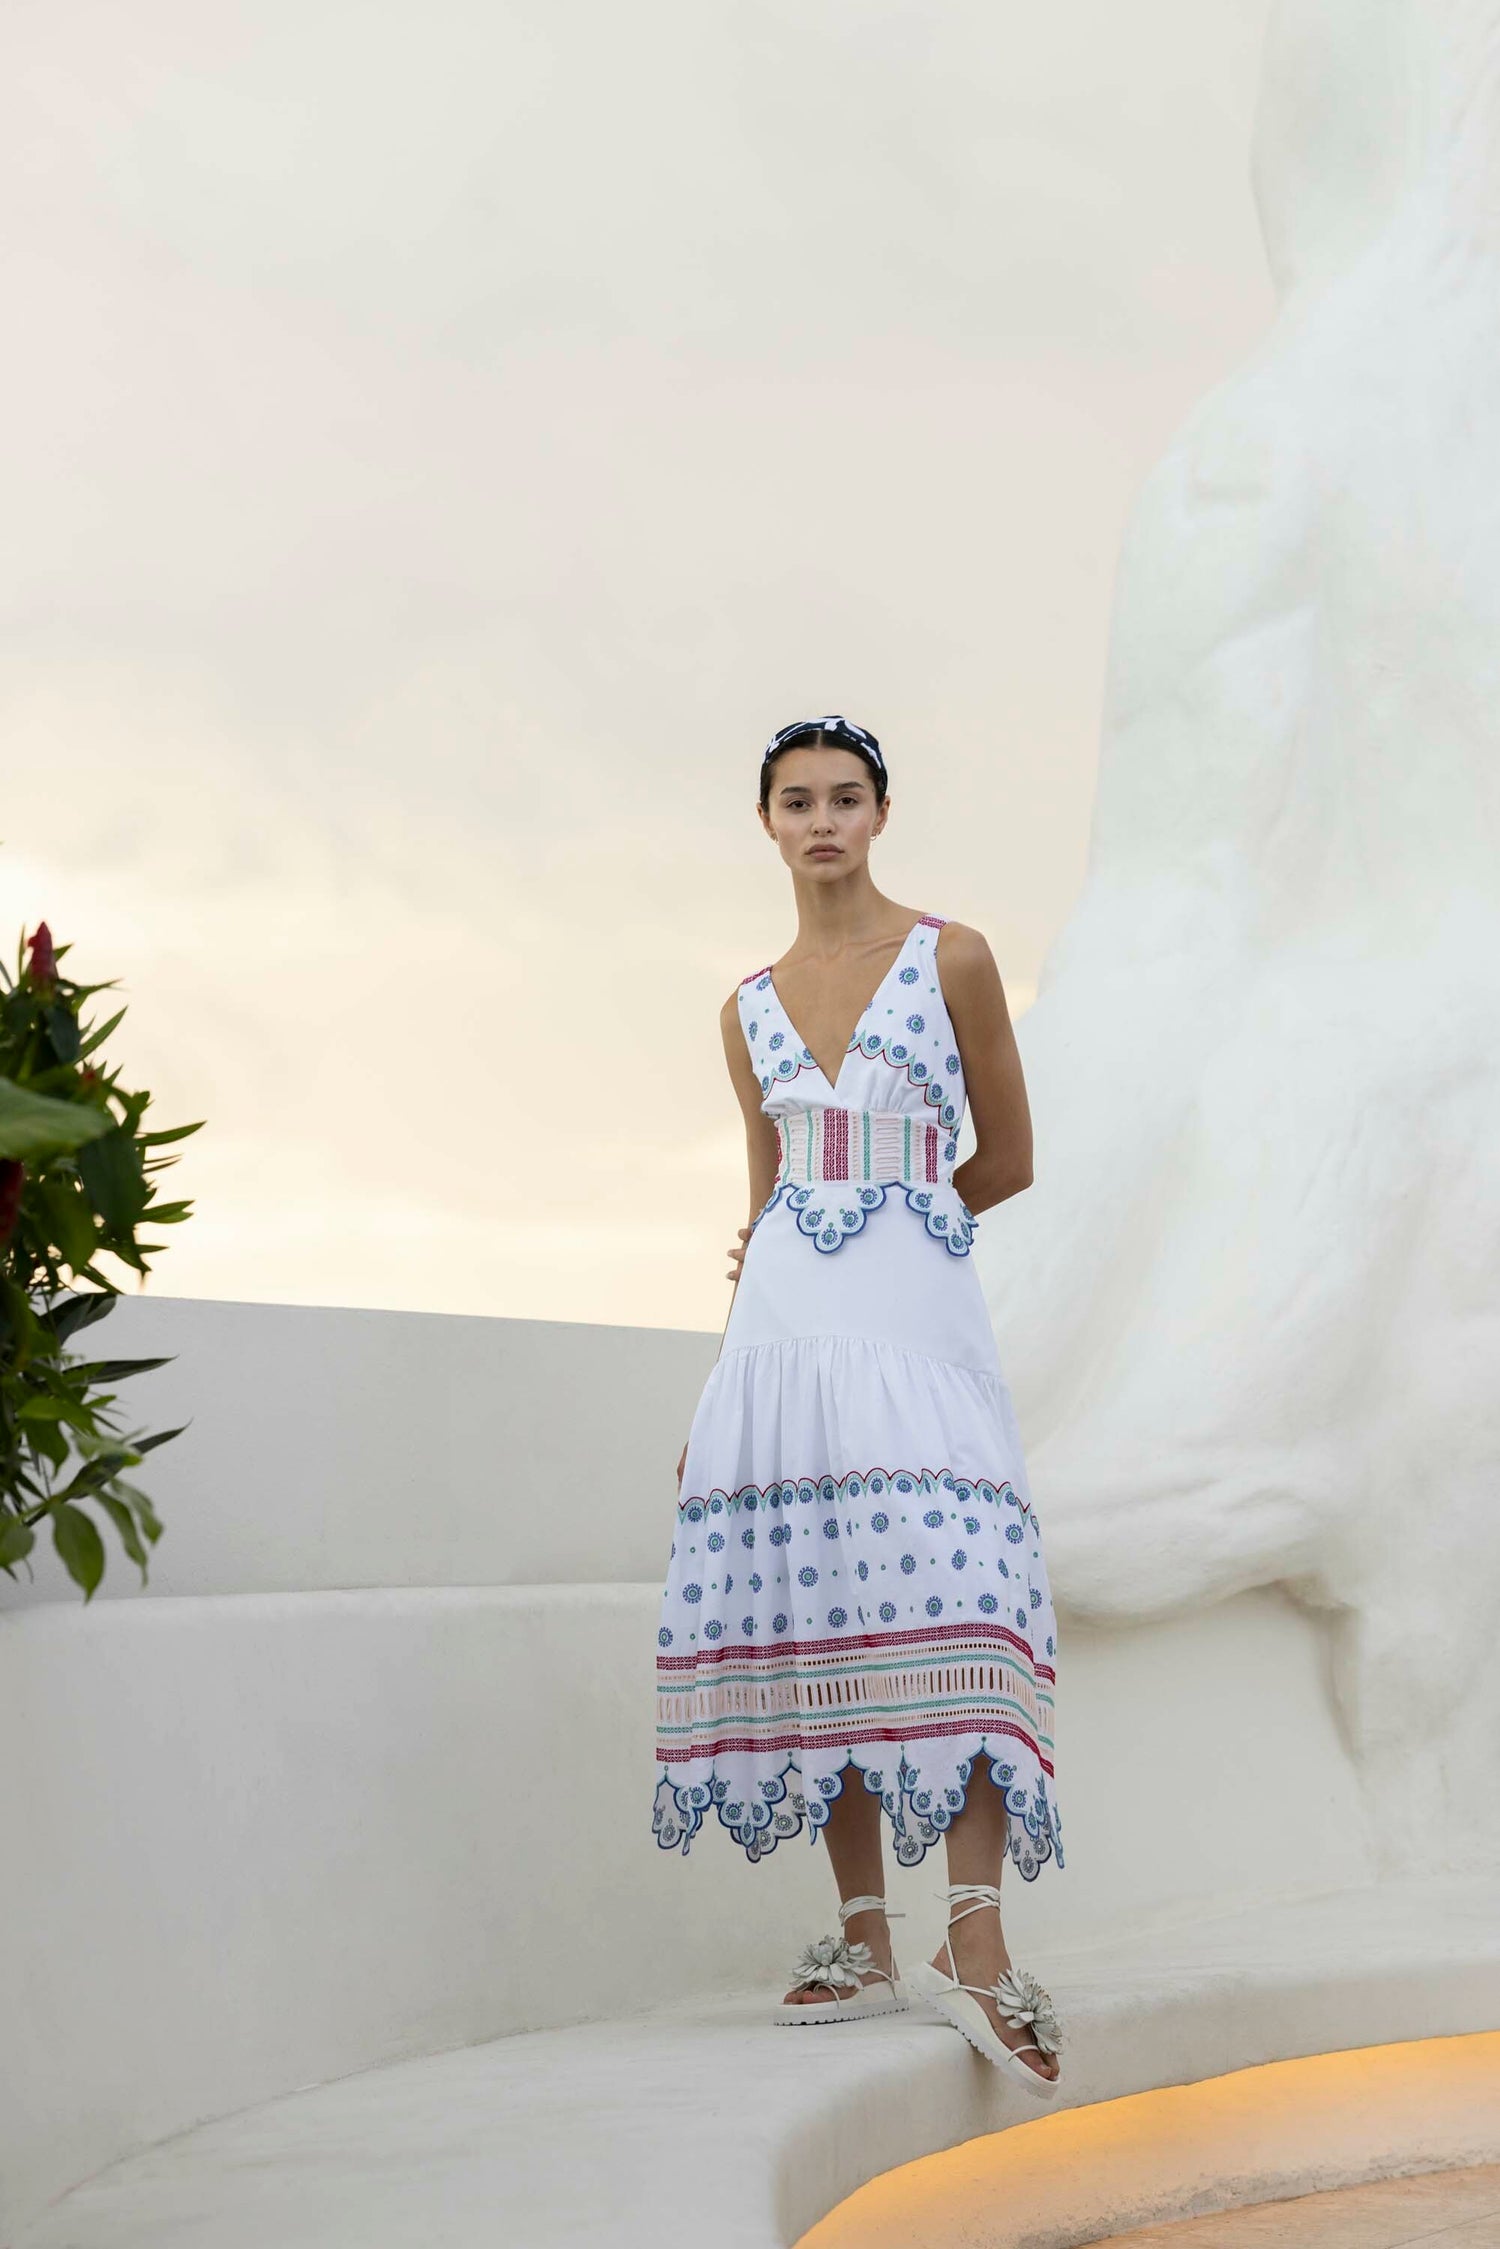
[706, 2122]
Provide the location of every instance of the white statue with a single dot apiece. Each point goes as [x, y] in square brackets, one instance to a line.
[1250, 1308]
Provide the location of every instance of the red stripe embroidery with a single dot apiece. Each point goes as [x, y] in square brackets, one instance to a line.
[836, 1144]
[918, 1730]
[930, 1636]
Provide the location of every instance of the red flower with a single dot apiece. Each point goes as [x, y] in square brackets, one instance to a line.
[12, 1176]
[43, 959]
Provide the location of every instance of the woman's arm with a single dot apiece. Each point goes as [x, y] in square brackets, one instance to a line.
[762, 1146]
[1001, 1163]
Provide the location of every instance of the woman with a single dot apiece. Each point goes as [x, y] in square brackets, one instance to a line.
[856, 1616]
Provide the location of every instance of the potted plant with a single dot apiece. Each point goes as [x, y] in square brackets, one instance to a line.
[78, 1183]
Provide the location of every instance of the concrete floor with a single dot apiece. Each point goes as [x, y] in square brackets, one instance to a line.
[1440, 2209]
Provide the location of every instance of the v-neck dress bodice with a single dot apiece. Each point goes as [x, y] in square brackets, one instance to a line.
[889, 1121]
[857, 1578]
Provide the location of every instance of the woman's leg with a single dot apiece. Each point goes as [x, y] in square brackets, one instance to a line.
[976, 1853]
[852, 1836]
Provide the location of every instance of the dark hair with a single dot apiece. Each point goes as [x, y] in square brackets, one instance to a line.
[815, 736]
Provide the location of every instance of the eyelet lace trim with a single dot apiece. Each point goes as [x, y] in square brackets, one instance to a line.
[831, 1211]
[761, 1814]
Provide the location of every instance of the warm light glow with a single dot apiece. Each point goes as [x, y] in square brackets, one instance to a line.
[1255, 2135]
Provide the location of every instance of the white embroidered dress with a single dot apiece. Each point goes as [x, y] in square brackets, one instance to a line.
[857, 1579]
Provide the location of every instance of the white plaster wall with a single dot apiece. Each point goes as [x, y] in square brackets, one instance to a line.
[1251, 1306]
[330, 1447]
[276, 1838]
[302, 1807]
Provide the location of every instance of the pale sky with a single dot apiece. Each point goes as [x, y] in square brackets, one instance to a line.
[444, 444]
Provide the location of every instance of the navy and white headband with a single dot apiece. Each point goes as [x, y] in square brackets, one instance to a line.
[843, 728]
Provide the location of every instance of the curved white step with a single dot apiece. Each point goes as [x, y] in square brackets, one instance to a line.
[705, 2123]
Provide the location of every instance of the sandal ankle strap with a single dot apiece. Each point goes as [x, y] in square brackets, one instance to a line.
[977, 1893]
[851, 1906]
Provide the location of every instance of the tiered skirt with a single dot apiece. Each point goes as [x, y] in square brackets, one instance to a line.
[856, 1589]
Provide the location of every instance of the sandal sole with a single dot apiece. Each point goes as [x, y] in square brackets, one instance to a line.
[953, 2006]
[799, 2018]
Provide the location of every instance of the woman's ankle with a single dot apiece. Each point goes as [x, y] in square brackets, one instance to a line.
[870, 1927]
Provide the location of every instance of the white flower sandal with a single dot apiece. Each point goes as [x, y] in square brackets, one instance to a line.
[1021, 2000]
[839, 1965]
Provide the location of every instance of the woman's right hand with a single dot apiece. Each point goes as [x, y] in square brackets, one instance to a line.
[737, 1254]
[681, 1464]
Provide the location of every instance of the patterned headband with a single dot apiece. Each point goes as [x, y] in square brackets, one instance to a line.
[844, 728]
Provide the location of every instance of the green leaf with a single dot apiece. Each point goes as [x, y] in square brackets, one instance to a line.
[114, 1370]
[178, 1132]
[71, 1220]
[62, 1031]
[79, 1545]
[124, 1522]
[16, 1539]
[96, 1473]
[145, 1513]
[111, 1171]
[34, 1128]
[81, 1415]
[70, 1313]
[97, 1038]
[47, 1439]
[162, 1437]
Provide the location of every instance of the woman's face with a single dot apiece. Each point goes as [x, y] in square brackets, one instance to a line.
[822, 811]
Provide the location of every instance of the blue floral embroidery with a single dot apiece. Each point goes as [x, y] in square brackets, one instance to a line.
[894, 1048]
[829, 1220]
[969, 1491]
[760, 1815]
[955, 1237]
